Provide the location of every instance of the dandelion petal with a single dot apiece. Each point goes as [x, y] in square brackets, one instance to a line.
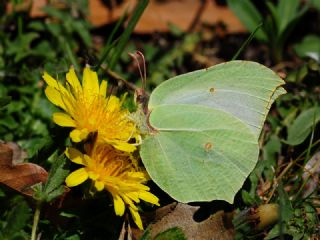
[78, 135]
[75, 155]
[119, 206]
[77, 177]
[55, 97]
[73, 80]
[63, 120]
[103, 88]
[50, 80]
[90, 82]
[136, 217]
[123, 146]
[99, 185]
[149, 197]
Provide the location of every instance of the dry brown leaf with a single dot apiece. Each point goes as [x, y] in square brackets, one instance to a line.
[217, 227]
[158, 15]
[6, 154]
[18, 154]
[19, 176]
[35, 5]
[100, 14]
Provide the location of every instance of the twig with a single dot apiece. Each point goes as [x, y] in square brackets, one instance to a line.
[197, 16]
[278, 179]
[118, 78]
[292, 163]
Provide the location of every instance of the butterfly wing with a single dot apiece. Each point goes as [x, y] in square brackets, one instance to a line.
[206, 126]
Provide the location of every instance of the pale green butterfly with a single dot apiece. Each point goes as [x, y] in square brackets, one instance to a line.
[204, 128]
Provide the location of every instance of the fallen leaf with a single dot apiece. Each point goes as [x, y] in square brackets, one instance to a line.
[100, 14]
[35, 7]
[159, 15]
[18, 154]
[6, 154]
[16, 175]
[185, 14]
[217, 227]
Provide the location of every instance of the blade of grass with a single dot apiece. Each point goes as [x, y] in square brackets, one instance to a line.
[307, 158]
[311, 138]
[249, 39]
[70, 55]
[108, 46]
[126, 34]
[105, 55]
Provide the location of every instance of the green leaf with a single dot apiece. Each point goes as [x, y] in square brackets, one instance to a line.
[287, 11]
[82, 29]
[269, 157]
[286, 209]
[4, 101]
[302, 126]
[249, 16]
[53, 188]
[288, 27]
[21, 47]
[309, 47]
[17, 219]
[315, 3]
[2, 193]
[247, 198]
[34, 145]
[73, 237]
[9, 122]
[36, 26]
[206, 126]
[275, 18]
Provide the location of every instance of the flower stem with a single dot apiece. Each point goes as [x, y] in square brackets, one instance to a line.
[36, 218]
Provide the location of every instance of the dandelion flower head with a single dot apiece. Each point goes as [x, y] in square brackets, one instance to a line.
[115, 171]
[89, 110]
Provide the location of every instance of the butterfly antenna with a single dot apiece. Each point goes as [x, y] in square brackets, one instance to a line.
[144, 77]
[141, 95]
[142, 72]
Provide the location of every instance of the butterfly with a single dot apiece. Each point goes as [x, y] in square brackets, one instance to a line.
[204, 128]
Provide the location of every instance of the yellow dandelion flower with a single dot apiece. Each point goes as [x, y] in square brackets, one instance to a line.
[114, 171]
[88, 110]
